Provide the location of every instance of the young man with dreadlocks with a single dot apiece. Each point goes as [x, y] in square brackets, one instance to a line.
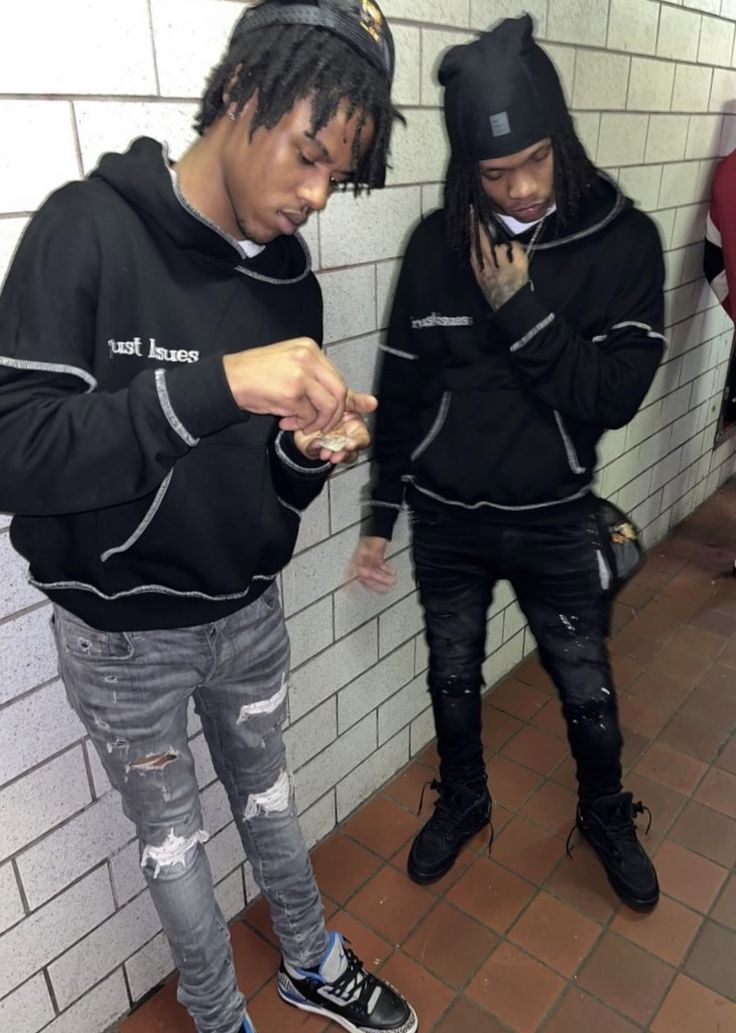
[527, 320]
[163, 412]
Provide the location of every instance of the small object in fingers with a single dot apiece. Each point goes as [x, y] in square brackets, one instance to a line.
[510, 251]
[334, 442]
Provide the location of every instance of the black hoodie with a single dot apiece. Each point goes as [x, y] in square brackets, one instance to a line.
[498, 413]
[144, 498]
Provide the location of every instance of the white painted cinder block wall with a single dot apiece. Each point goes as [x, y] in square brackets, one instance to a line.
[652, 85]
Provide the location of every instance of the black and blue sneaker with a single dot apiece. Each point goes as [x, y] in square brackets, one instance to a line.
[341, 989]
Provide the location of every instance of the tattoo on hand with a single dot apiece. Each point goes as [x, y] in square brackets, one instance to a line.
[500, 293]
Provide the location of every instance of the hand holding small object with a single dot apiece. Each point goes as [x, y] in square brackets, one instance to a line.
[343, 442]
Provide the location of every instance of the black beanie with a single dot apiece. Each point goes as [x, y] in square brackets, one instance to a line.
[360, 23]
[502, 93]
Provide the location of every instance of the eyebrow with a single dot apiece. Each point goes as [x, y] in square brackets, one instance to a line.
[319, 144]
[326, 154]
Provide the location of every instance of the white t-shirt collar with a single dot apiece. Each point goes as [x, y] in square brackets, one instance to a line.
[251, 249]
[515, 227]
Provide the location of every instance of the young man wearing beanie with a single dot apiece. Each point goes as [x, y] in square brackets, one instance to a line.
[527, 320]
[163, 402]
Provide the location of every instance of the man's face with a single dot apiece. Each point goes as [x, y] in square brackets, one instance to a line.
[522, 184]
[274, 181]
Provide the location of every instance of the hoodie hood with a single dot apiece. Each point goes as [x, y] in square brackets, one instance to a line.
[143, 176]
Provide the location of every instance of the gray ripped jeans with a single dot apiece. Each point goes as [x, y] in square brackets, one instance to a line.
[131, 691]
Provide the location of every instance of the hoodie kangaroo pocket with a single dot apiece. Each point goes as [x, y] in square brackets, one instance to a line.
[499, 450]
[189, 537]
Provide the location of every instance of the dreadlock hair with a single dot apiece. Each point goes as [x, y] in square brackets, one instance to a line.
[574, 176]
[289, 63]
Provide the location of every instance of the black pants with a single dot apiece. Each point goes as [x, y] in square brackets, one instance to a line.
[561, 581]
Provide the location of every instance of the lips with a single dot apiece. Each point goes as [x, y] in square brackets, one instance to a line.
[290, 223]
[533, 211]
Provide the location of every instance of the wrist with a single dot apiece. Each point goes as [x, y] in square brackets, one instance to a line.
[230, 368]
[500, 293]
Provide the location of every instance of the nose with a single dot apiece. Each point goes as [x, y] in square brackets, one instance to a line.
[521, 185]
[314, 192]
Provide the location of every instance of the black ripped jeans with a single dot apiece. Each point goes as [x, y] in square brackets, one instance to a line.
[561, 578]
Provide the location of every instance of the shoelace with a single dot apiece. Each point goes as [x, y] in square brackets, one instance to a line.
[619, 828]
[444, 819]
[356, 984]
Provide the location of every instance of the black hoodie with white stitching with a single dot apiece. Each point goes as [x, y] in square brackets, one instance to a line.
[144, 498]
[499, 413]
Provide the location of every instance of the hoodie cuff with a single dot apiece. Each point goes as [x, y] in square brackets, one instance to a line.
[519, 321]
[197, 399]
[295, 460]
[380, 522]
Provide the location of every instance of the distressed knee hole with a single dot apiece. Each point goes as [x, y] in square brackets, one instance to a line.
[174, 851]
[270, 801]
[264, 706]
[153, 763]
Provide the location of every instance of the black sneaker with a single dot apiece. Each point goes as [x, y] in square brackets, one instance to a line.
[459, 812]
[342, 990]
[609, 826]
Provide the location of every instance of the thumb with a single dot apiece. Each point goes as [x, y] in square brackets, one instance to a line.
[356, 401]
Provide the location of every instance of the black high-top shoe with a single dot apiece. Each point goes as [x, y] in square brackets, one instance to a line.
[609, 825]
[459, 812]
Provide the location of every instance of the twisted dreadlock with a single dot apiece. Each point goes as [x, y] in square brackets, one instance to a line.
[574, 175]
[288, 63]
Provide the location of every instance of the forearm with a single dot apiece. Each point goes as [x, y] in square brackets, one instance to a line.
[601, 380]
[63, 451]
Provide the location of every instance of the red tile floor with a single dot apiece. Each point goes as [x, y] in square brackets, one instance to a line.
[529, 940]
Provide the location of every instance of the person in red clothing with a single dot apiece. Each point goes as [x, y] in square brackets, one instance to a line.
[719, 260]
[719, 266]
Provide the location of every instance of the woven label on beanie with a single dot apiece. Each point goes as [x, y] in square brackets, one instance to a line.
[500, 123]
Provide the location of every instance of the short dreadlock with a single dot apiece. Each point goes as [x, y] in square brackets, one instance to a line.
[574, 175]
[289, 63]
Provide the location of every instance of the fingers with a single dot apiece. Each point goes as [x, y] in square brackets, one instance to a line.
[489, 248]
[369, 566]
[349, 438]
[361, 403]
[377, 578]
[347, 456]
[295, 381]
[326, 393]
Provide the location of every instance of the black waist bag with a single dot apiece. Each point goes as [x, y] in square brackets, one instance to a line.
[621, 542]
